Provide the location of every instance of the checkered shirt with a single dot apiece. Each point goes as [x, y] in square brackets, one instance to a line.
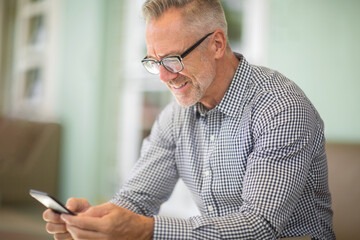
[255, 164]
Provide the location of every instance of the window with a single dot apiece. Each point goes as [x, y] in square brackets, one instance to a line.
[7, 19]
[29, 77]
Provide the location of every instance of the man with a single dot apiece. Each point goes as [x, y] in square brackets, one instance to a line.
[245, 140]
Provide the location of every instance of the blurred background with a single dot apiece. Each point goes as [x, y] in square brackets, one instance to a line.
[75, 101]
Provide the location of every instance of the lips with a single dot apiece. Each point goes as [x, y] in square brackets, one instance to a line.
[179, 86]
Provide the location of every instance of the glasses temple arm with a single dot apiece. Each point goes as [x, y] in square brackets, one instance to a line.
[195, 45]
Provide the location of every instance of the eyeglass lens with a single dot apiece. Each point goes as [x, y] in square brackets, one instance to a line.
[172, 64]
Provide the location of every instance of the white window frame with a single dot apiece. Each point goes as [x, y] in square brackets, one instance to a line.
[43, 107]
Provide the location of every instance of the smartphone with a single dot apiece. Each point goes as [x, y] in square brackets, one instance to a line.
[50, 202]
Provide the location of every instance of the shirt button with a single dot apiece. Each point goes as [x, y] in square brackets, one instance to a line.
[212, 138]
[210, 208]
[207, 173]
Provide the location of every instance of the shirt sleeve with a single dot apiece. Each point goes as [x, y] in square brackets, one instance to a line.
[277, 170]
[154, 175]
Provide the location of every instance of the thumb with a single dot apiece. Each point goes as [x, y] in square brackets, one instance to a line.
[98, 211]
[78, 204]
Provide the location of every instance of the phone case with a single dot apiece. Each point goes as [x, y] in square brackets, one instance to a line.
[50, 202]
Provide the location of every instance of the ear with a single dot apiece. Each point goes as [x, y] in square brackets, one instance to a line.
[220, 42]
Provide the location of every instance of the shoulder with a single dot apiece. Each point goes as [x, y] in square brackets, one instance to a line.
[275, 89]
[271, 81]
[276, 95]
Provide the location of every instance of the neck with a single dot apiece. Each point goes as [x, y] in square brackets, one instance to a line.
[225, 71]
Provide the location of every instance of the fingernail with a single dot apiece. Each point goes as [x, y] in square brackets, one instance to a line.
[64, 217]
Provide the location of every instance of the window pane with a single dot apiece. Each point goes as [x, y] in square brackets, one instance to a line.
[36, 34]
[33, 84]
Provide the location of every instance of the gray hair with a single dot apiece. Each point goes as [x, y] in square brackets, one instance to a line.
[200, 15]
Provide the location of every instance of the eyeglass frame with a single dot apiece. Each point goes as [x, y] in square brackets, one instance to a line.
[179, 57]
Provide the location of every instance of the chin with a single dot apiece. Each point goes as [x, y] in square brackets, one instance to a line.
[187, 100]
[185, 103]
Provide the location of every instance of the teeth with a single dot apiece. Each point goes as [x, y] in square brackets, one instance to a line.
[177, 87]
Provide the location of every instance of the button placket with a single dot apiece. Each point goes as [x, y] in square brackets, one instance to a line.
[206, 193]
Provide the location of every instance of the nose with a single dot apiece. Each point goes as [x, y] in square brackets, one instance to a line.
[165, 75]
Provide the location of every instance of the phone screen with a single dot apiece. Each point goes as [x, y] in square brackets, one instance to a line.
[50, 202]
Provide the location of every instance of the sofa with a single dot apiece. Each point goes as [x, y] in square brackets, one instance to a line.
[344, 180]
[29, 158]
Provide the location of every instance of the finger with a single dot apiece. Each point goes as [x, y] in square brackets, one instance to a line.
[63, 236]
[56, 228]
[77, 204]
[98, 211]
[80, 234]
[83, 222]
[52, 217]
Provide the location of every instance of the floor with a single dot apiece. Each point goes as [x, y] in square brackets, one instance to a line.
[22, 223]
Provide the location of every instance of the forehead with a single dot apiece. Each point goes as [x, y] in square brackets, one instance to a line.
[166, 35]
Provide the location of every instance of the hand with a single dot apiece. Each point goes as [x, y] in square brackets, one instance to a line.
[108, 221]
[55, 225]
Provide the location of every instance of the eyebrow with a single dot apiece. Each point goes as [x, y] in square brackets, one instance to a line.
[187, 51]
[162, 56]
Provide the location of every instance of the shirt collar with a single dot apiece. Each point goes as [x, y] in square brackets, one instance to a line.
[232, 101]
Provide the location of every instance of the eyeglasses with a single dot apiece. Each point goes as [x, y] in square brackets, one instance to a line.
[173, 64]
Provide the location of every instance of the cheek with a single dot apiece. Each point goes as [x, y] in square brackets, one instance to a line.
[201, 73]
[206, 76]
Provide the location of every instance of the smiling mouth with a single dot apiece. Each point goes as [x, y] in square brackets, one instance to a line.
[180, 86]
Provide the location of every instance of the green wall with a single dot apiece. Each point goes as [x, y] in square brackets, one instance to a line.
[316, 44]
[88, 58]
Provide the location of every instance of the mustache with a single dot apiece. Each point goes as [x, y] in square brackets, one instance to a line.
[178, 79]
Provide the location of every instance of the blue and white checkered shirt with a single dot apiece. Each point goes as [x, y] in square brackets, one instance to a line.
[255, 164]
